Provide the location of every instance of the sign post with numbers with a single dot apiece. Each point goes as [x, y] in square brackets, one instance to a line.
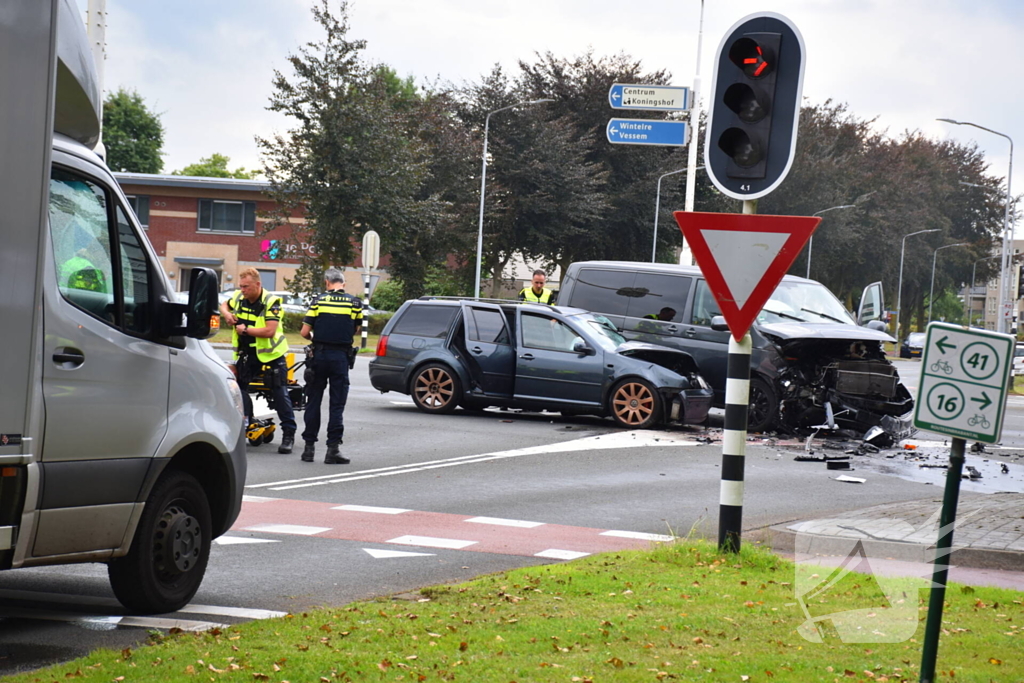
[964, 374]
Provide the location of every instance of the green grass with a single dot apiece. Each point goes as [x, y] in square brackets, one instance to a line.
[679, 612]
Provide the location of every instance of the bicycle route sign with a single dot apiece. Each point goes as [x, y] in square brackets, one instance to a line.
[964, 375]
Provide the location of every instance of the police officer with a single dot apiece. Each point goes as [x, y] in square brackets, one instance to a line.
[258, 340]
[331, 323]
[537, 293]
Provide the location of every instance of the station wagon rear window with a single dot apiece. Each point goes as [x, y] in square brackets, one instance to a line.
[426, 321]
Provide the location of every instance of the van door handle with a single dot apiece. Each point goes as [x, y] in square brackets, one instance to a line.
[690, 332]
[476, 349]
[69, 355]
[527, 356]
[672, 328]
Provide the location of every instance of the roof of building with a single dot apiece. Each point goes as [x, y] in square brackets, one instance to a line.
[165, 180]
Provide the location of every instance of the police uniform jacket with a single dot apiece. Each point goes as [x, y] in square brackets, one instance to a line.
[335, 318]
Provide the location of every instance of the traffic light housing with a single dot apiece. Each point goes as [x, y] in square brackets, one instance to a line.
[755, 106]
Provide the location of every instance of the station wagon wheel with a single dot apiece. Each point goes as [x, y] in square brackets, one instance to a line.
[635, 403]
[763, 407]
[435, 388]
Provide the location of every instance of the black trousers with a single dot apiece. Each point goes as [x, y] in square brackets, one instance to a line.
[249, 367]
[329, 366]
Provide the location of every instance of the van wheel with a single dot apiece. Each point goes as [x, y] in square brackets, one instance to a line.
[169, 552]
[634, 403]
[436, 389]
[763, 407]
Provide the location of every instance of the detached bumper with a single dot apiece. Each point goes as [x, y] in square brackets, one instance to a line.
[690, 406]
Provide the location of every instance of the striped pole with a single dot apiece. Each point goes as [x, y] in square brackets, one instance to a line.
[366, 304]
[734, 444]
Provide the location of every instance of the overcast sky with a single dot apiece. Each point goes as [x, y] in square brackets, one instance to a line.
[206, 67]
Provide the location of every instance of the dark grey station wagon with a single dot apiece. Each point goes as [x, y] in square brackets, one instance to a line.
[475, 354]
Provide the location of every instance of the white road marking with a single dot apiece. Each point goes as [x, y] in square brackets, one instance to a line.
[505, 522]
[257, 499]
[386, 554]
[241, 540]
[402, 403]
[289, 529]
[556, 554]
[638, 535]
[371, 508]
[431, 542]
[644, 438]
[153, 622]
[240, 612]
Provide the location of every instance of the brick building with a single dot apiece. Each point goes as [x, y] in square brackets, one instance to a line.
[215, 222]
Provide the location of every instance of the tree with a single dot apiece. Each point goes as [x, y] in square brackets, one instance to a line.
[132, 134]
[350, 162]
[215, 166]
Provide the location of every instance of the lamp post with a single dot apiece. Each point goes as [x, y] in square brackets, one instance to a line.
[483, 187]
[685, 255]
[969, 299]
[810, 242]
[899, 287]
[1004, 273]
[935, 258]
[657, 209]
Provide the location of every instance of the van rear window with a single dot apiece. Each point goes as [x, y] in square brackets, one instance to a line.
[425, 321]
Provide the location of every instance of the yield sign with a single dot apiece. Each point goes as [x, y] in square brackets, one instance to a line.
[743, 257]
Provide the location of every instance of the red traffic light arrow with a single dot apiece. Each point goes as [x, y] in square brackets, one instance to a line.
[743, 257]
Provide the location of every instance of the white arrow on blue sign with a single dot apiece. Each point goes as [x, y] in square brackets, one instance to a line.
[647, 132]
[649, 97]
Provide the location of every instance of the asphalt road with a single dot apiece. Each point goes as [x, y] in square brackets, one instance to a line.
[431, 499]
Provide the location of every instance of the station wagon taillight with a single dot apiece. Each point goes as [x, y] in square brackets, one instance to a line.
[382, 346]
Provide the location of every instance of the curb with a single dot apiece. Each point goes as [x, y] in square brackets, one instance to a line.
[781, 538]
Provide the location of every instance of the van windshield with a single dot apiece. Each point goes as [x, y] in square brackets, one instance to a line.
[809, 302]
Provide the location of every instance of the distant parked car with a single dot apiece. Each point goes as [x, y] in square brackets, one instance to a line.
[1018, 360]
[913, 345]
[449, 353]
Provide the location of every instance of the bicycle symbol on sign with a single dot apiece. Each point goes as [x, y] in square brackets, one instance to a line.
[943, 366]
[978, 420]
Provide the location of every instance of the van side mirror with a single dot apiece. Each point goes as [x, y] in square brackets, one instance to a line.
[202, 315]
[718, 324]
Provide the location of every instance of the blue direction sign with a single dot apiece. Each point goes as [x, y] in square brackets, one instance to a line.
[649, 97]
[647, 132]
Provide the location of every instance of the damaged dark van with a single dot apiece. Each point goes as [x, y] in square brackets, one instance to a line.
[813, 364]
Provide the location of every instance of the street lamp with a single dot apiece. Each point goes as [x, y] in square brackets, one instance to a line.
[899, 287]
[1004, 272]
[935, 257]
[657, 208]
[483, 186]
[810, 242]
[969, 300]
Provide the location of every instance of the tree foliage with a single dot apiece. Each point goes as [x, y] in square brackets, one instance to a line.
[216, 166]
[132, 134]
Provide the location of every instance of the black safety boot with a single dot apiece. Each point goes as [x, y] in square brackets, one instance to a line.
[334, 456]
[307, 452]
[287, 441]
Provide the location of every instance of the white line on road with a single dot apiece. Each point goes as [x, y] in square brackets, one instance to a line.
[431, 542]
[505, 522]
[289, 529]
[388, 554]
[371, 508]
[556, 554]
[632, 439]
[239, 612]
[242, 540]
[638, 535]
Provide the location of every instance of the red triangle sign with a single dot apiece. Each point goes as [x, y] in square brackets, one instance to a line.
[743, 257]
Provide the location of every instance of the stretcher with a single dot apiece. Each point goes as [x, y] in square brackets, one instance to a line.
[261, 431]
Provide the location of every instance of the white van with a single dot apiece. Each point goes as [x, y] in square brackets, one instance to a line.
[121, 433]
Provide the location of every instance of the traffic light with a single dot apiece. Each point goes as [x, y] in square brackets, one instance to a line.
[755, 106]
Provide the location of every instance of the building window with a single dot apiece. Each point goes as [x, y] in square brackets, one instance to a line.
[268, 278]
[140, 205]
[217, 215]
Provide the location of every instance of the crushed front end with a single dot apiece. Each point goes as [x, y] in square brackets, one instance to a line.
[842, 384]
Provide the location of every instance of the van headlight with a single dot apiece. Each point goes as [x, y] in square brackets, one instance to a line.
[236, 396]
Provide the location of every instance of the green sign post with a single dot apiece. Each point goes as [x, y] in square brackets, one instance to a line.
[964, 375]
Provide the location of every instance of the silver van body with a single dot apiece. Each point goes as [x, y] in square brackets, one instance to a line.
[114, 421]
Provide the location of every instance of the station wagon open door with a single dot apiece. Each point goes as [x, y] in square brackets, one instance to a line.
[490, 357]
